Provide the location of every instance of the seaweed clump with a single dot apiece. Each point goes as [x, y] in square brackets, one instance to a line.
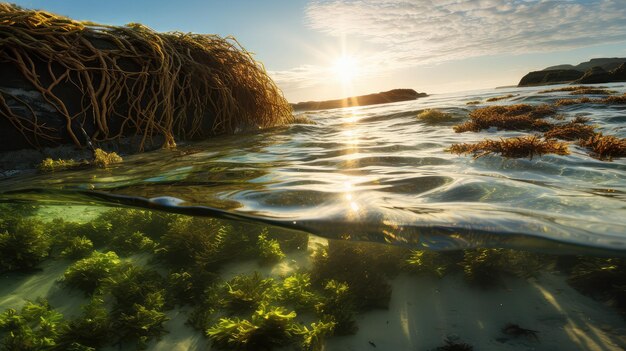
[133, 81]
[605, 147]
[601, 278]
[103, 159]
[434, 116]
[570, 131]
[487, 267]
[514, 117]
[498, 98]
[23, 243]
[516, 147]
[36, 327]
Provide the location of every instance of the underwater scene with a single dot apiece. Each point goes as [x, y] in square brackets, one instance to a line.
[485, 220]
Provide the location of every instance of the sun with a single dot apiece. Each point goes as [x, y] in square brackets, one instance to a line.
[346, 69]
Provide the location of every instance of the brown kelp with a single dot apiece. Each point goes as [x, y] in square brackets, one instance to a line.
[604, 147]
[516, 147]
[130, 80]
[498, 98]
[514, 117]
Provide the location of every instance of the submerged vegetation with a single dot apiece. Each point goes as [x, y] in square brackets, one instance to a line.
[128, 299]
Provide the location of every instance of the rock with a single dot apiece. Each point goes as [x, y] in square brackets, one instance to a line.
[550, 77]
[384, 97]
[594, 76]
[567, 73]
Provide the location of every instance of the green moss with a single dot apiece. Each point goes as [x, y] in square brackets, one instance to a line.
[36, 327]
[23, 243]
[90, 273]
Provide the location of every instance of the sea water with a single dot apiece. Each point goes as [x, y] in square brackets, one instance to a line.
[357, 231]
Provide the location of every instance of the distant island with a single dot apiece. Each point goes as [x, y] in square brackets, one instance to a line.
[594, 71]
[384, 97]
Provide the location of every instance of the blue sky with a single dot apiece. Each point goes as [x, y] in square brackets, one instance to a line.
[434, 46]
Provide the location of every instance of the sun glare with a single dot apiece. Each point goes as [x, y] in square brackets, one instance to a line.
[346, 69]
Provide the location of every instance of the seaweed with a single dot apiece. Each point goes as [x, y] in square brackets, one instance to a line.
[433, 263]
[516, 147]
[131, 243]
[601, 278]
[619, 99]
[296, 290]
[23, 243]
[246, 292]
[571, 89]
[143, 321]
[123, 221]
[289, 240]
[36, 327]
[514, 117]
[605, 147]
[94, 328]
[570, 131]
[502, 97]
[269, 249]
[487, 267]
[88, 274]
[313, 338]
[434, 116]
[103, 159]
[204, 244]
[567, 102]
[268, 328]
[50, 165]
[77, 247]
[131, 285]
[192, 85]
[365, 267]
[475, 102]
[338, 305]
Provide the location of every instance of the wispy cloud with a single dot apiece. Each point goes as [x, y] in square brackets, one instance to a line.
[415, 32]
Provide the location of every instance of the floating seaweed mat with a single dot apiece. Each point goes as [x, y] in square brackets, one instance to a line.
[513, 117]
[115, 81]
[516, 147]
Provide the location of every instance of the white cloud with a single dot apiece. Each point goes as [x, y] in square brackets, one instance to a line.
[416, 32]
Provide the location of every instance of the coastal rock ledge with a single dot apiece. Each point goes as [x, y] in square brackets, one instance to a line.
[70, 82]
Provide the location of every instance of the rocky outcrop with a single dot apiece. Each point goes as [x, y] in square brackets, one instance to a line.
[594, 71]
[394, 95]
[598, 75]
[550, 77]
